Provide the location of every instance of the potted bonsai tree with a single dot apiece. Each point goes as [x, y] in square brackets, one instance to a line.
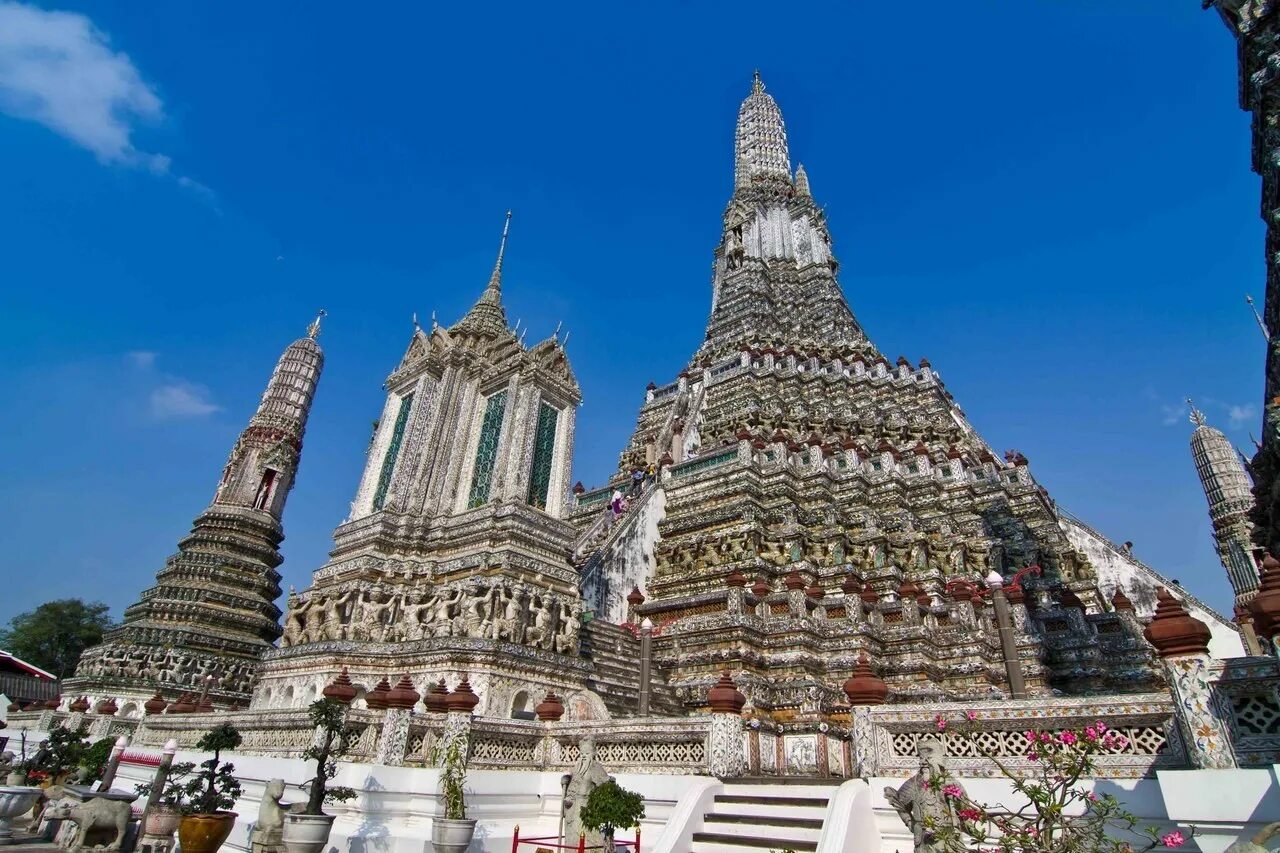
[308, 831]
[163, 818]
[611, 807]
[207, 818]
[452, 833]
[59, 756]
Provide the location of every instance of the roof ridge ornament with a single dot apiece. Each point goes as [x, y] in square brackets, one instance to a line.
[757, 85]
[313, 330]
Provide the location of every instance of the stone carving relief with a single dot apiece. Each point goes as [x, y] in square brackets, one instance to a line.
[166, 665]
[476, 608]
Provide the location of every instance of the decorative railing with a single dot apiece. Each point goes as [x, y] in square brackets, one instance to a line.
[665, 391]
[701, 463]
[1247, 695]
[1146, 721]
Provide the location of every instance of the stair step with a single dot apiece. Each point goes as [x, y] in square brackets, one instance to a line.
[737, 842]
[761, 800]
[784, 835]
[806, 789]
[757, 820]
[832, 781]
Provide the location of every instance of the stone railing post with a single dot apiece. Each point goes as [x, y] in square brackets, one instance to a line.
[395, 723]
[1265, 606]
[646, 667]
[113, 763]
[725, 759]
[1182, 641]
[795, 595]
[865, 690]
[162, 775]
[1244, 619]
[548, 711]
[737, 593]
[1008, 643]
[457, 719]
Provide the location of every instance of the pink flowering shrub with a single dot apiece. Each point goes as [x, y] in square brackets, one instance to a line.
[1060, 814]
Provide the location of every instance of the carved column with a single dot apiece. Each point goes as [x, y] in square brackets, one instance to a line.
[725, 758]
[795, 595]
[1183, 643]
[736, 582]
[113, 763]
[646, 666]
[1008, 643]
[457, 721]
[865, 690]
[395, 723]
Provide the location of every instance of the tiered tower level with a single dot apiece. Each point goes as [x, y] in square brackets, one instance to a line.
[818, 500]
[1256, 26]
[212, 613]
[454, 559]
[1227, 488]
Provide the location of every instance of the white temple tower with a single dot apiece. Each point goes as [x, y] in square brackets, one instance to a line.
[1230, 495]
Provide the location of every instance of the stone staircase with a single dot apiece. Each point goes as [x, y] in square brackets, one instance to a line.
[615, 654]
[768, 813]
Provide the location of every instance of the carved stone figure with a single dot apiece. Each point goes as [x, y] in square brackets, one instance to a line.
[268, 830]
[922, 807]
[100, 813]
[586, 776]
[539, 633]
[567, 639]
[1258, 843]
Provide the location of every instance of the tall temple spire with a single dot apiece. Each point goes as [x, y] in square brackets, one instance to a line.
[761, 141]
[213, 604]
[487, 316]
[1230, 496]
[774, 276]
[313, 331]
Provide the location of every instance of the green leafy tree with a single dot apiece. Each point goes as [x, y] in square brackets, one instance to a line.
[451, 756]
[214, 788]
[95, 758]
[328, 717]
[54, 634]
[611, 807]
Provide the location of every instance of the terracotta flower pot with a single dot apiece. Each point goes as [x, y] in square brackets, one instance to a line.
[163, 821]
[205, 833]
[306, 833]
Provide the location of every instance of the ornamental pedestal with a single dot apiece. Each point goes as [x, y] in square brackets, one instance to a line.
[1182, 642]
[725, 758]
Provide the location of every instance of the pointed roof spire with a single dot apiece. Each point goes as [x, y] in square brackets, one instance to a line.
[1256, 316]
[1197, 416]
[495, 280]
[313, 331]
[487, 315]
[802, 181]
[760, 142]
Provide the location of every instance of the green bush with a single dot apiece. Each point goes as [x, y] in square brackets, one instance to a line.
[610, 807]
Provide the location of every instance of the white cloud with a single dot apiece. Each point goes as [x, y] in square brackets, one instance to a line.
[1170, 415]
[58, 69]
[142, 359]
[1240, 416]
[181, 400]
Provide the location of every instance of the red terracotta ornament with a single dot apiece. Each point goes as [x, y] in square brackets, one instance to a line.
[864, 687]
[340, 690]
[725, 697]
[550, 709]
[403, 695]
[463, 698]
[1173, 631]
[1265, 606]
[154, 705]
[1121, 602]
[437, 696]
[376, 698]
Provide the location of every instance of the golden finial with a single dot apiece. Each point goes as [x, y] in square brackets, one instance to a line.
[757, 85]
[1258, 317]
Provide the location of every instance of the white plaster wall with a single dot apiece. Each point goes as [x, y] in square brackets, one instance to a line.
[629, 561]
[1140, 581]
[396, 805]
[1223, 805]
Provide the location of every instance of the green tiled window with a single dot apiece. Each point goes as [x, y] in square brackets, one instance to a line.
[393, 452]
[544, 447]
[487, 449]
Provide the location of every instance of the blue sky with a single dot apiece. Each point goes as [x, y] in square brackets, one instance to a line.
[1054, 206]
